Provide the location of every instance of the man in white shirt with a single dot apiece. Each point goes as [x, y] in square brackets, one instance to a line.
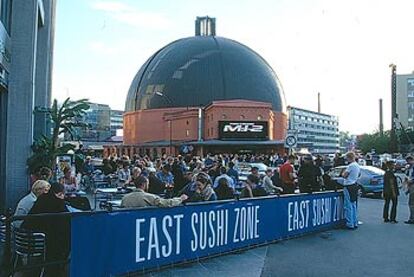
[351, 176]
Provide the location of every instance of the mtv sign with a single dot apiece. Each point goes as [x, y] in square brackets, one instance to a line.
[243, 130]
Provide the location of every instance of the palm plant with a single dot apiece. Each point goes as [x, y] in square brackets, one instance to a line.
[65, 119]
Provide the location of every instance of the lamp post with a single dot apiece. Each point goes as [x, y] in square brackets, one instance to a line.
[393, 139]
[158, 93]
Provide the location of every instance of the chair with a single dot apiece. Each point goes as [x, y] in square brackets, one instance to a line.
[29, 247]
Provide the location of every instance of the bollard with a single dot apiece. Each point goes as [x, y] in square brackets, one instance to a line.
[7, 256]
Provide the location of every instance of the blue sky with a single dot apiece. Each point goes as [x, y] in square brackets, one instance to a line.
[339, 48]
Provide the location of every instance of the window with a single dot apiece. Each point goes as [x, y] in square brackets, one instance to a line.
[5, 14]
[242, 116]
[187, 133]
[223, 116]
[188, 122]
[259, 117]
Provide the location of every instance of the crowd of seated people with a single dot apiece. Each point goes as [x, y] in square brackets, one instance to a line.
[215, 177]
[161, 182]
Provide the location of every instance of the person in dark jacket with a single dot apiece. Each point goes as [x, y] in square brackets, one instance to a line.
[224, 190]
[308, 176]
[56, 228]
[391, 193]
[178, 173]
[156, 186]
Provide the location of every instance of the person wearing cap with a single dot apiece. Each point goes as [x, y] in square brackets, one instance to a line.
[409, 182]
[26, 203]
[141, 198]
[390, 193]
[351, 175]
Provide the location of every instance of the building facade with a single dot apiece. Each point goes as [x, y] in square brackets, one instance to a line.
[317, 132]
[103, 122]
[26, 49]
[405, 100]
[98, 117]
[117, 121]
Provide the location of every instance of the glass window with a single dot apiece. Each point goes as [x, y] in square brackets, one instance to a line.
[5, 14]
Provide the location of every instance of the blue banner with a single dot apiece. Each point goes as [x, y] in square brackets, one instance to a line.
[105, 244]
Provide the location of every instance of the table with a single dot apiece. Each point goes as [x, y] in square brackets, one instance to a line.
[109, 193]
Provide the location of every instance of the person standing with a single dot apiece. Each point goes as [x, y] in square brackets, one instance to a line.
[351, 175]
[288, 176]
[308, 175]
[390, 193]
[410, 189]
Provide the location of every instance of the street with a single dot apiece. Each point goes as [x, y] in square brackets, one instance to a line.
[375, 249]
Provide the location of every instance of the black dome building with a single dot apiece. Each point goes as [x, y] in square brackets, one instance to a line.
[206, 93]
[195, 71]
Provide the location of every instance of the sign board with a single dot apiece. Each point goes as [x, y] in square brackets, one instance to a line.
[133, 240]
[243, 130]
[291, 141]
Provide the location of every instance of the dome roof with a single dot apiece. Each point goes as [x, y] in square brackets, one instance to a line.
[198, 70]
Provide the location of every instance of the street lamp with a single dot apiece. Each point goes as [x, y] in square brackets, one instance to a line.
[158, 93]
[393, 142]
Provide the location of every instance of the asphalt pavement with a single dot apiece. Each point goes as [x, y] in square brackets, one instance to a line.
[376, 249]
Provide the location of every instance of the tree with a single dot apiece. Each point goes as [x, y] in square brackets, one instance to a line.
[65, 118]
[381, 143]
[344, 138]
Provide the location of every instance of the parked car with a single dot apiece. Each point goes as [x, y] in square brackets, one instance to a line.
[371, 179]
[244, 169]
[400, 165]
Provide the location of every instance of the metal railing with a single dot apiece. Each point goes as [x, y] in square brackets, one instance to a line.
[24, 247]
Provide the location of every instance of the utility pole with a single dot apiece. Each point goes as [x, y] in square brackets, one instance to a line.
[381, 123]
[319, 102]
[393, 141]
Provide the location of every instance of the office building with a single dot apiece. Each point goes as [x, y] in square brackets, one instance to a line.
[317, 132]
[117, 121]
[405, 100]
[26, 50]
